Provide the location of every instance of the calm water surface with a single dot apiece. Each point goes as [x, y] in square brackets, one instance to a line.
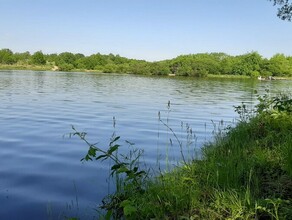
[41, 176]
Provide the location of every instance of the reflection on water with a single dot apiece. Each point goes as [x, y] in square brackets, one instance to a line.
[41, 175]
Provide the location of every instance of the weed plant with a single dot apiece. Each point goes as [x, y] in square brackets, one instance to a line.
[246, 173]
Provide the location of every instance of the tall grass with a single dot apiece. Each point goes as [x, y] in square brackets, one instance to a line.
[246, 173]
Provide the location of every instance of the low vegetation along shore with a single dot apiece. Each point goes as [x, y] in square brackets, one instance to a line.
[246, 173]
[200, 65]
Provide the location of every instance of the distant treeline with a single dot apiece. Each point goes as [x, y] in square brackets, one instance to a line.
[250, 64]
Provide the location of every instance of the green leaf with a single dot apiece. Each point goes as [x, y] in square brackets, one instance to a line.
[125, 203]
[86, 158]
[116, 166]
[141, 173]
[92, 151]
[108, 215]
[113, 148]
[122, 169]
[101, 156]
[114, 140]
[129, 210]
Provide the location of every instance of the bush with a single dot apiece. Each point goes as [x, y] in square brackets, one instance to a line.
[38, 58]
[65, 67]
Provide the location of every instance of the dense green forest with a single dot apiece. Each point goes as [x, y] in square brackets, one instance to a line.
[202, 64]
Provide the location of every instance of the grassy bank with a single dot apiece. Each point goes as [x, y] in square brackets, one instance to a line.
[246, 173]
[26, 67]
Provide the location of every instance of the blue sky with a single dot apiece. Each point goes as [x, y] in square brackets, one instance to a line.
[144, 29]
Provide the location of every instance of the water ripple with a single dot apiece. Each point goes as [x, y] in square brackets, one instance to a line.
[41, 168]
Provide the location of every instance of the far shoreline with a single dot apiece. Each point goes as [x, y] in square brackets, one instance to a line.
[53, 68]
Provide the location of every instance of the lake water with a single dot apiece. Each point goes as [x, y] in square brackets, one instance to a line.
[41, 176]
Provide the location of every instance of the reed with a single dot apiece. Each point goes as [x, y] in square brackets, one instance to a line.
[246, 173]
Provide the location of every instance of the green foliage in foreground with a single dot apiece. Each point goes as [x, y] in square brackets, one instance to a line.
[245, 174]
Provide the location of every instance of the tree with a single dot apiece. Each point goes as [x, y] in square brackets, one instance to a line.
[66, 60]
[226, 65]
[109, 68]
[279, 65]
[51, 57]
[22, 58]
[284, 10]
[159, 68]
[65, 66]
[6, 57]
[38, 58]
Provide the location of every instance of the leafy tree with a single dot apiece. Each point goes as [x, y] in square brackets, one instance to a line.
[205, 63]
[6, 57]
[65, 66]
[220, 61]
[117, 59]
[123, 68]
[290, 65]
[65, 58]
[38, 58]
[265, 68]
[253, 60]
[140, 67]
[226, 65]
[88, 62]
[284, 10]
[109, 68]
[91, 62]
[79, 56]
[181, 66]
[22, 57]
[81, 63]
[279, 65]
[247, 65]
[51, 57]
[159, 68]
[196, 64]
